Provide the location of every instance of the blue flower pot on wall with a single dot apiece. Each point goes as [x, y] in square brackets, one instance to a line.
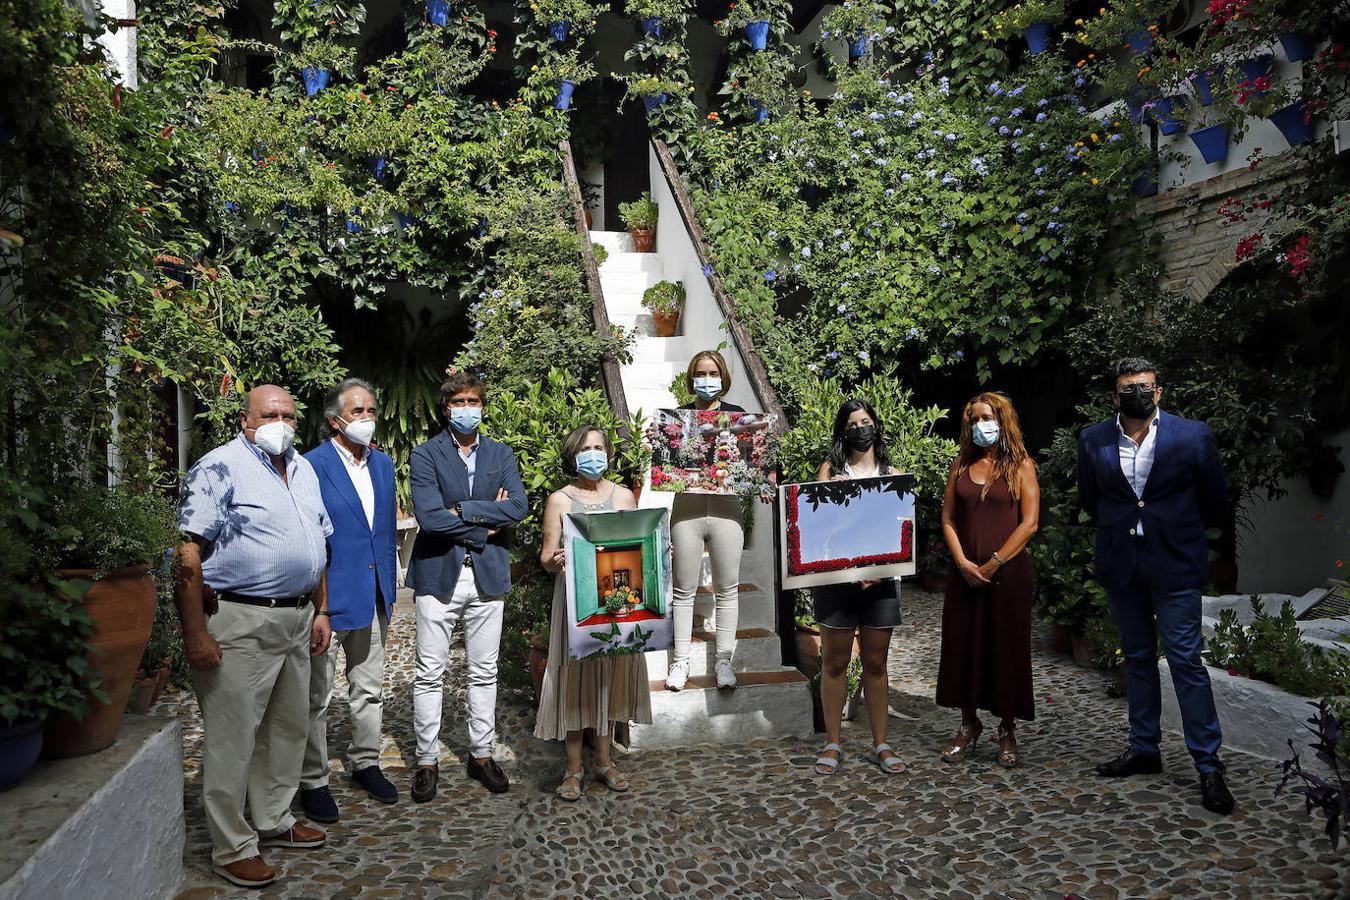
[1146, 185]
[653, 26]
[404, 220]
[1296, 46]
[377, 164]
[565, 94]
[1037, 36]
[1294, 123]
[316, 79]
[1257, 67]
[1139, 41]
[652, 101]
[758, 33]
[761, 111]
[353, 226]
[1212, 142]
[558, 31]
[857, 47]
[1165, 110]
[438, 11]
[1202, 82]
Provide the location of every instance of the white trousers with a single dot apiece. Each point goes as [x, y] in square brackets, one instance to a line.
[715, 521]
[363, 649]
[481, 619]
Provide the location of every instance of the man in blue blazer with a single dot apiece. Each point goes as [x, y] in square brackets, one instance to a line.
[1152, 482]
[466, 489]
[357, 482]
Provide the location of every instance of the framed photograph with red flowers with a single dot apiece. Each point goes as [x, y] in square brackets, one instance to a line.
[834, 532]
[714, 452]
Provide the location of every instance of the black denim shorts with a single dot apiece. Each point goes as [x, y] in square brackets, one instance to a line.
[851, 606]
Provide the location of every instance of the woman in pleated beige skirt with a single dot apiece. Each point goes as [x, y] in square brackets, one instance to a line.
[586, 696]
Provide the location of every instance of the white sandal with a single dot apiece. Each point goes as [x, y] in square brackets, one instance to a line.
[891, 765]
[830, 765]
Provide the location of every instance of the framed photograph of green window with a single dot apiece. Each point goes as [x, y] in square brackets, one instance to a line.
[618, 582]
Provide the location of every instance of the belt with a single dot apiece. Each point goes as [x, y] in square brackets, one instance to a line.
[270, 602]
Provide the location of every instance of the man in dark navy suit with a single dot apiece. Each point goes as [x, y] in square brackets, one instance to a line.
[357, 482]
[1152, 482]
[466, 488]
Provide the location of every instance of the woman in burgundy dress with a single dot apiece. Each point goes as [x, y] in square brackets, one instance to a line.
[989, 513]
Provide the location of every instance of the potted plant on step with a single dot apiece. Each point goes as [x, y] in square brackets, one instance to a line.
[157, 659]
[665, 301]
[639, 217]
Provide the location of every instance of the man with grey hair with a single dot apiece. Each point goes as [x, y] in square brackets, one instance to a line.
[357, 482]
[251, 599]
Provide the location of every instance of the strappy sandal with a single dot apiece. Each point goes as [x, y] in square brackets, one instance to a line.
[959, 751]
[570, 789]
[612, 778]
[827, 765]
[891, 765]
[1008, 759]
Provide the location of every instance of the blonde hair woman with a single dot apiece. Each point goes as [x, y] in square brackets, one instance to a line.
[989, 513]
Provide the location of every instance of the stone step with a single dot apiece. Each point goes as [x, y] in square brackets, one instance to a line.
[771, 705]
[630, 262]
[624, 289]
[673, 350]
[757, 650]
[614, 241]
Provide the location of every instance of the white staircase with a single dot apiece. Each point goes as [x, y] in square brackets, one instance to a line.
[771, 700]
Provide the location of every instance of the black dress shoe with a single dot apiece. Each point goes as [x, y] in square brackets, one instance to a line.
[372, 780]
[1214, 794]
[1131, 762]
[491, 774]
[424, 783]
[319, 805]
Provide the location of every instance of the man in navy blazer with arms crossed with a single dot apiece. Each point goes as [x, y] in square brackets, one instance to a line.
[357, 482]
[1152, 482]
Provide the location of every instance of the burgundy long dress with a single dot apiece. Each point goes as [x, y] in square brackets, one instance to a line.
[986, 630]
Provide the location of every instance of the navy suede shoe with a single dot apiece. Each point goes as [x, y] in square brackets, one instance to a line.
[373, 781]
[318, 804]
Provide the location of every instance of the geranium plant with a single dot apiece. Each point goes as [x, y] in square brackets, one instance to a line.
[664, 298]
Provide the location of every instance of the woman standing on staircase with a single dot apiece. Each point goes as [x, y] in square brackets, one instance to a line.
[868, 610]
[711, 520]
[989, 513]
[585, 695]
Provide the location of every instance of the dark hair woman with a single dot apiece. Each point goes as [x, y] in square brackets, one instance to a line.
[868, 610]
[989, 513]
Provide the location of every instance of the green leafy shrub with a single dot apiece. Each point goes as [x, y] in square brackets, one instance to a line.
[640, 214]
[1271, 649]
[664, 298]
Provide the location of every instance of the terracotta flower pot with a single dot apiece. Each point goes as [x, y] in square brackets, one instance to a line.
[147, 691]
[1060, 639]
[643, 239]
[586, 214]
[808, 650]
[666, 323]
[538, 663]
[1082, 653]
[122, 605]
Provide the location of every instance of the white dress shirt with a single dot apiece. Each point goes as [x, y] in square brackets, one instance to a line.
[1136, 460]
[359, 472]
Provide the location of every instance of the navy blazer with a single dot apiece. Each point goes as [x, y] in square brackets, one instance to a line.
[1184, 493]
[359, 557]
[439, 481]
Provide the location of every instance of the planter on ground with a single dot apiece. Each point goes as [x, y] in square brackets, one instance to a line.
[643, 239]
[1037, 36]
[20, 745]
[1212, 142]
[758, 34]
[122, 607]
[1082, 651]
[1061, 639]
[808, 650]
[666, 323]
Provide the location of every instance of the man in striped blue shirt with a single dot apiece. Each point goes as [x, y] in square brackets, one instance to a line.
[257, 529]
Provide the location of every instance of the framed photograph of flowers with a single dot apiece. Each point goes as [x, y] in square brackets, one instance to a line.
[618, 582]
[714, 452]
[834, 532]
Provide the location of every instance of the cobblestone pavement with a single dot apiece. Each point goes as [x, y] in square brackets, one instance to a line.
[754, 821]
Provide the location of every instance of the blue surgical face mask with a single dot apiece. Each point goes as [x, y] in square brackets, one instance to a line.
[465, 419]
[592, 463]
[708, 388]
[984, 434]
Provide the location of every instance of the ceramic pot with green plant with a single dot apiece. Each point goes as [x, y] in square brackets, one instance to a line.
[1031, 20]
[665, 300]
[639, 217]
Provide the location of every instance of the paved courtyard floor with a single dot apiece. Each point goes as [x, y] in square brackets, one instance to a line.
[755, 821]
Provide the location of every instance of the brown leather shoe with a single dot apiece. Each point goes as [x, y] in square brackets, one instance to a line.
[299, 836]
[251, 872]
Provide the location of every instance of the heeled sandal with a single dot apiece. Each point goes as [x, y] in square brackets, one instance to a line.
[1008, 759]
[891, 765]
[828, 765]
[570, 789]
[959, 751]
[611, 777]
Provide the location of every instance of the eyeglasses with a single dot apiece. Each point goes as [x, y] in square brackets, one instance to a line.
[1143, 388]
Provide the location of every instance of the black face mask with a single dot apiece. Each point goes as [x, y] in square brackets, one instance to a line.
[861, 439]
[1138, 406]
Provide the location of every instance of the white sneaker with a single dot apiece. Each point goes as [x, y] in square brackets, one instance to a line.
[726, 677]
[679, 674]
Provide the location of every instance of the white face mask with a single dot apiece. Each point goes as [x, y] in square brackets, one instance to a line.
[359, 431]
[984, 434]
[274, 438]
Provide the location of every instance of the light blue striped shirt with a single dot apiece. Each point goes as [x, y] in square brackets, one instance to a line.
[264, 537]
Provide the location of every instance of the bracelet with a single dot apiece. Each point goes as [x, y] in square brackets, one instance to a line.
[1000, 560]
[323, 612]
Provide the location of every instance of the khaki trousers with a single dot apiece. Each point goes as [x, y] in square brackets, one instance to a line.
[364, 652]
[255, 714]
